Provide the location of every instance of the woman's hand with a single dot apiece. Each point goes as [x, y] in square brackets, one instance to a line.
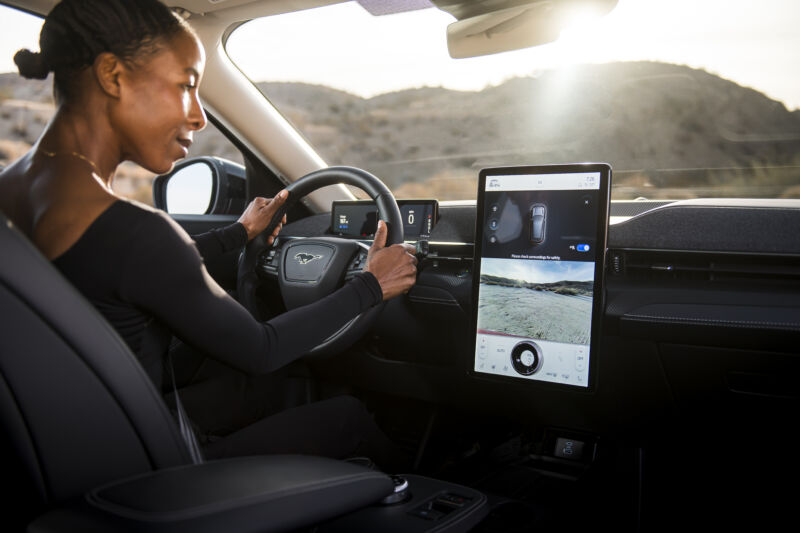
[394, 267]
[258, 214]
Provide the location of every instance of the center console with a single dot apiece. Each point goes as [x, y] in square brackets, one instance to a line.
[428, 505]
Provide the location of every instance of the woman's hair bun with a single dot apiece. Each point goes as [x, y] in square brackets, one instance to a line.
[31, 65]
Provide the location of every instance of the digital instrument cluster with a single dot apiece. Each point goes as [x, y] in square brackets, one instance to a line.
[359, 218]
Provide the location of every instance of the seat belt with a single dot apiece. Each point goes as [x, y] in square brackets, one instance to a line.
[184, 425]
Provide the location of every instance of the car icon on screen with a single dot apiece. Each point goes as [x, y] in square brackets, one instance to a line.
[537, 223]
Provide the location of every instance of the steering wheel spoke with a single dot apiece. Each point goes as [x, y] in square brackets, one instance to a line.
[357, 263]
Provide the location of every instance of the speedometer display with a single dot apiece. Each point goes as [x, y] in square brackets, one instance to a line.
[359, 218]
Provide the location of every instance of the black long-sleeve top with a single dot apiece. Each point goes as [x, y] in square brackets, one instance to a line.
[146, 275]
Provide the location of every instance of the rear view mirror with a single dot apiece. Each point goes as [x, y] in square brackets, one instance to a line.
[534, 23]
[200, 186]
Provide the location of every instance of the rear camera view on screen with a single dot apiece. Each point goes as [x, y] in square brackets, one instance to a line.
[544, 300]
[538, 268]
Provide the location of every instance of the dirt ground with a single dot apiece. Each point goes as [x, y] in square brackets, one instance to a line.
[535, 314]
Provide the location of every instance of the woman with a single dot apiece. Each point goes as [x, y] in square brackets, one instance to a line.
[126, 77]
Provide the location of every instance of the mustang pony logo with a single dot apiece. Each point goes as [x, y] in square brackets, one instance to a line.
[304, 258]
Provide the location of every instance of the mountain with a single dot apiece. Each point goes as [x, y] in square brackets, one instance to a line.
[664, 128]
[644, 118]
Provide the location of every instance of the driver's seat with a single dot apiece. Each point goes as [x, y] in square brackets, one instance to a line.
[79, 412]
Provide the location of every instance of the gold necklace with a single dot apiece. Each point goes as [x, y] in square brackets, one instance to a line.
[76, 154]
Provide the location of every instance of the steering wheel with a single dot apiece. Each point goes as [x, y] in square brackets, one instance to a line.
[310, 268]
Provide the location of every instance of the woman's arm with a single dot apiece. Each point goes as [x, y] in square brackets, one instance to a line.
[216, 242]
[164, 275]
[252, 222]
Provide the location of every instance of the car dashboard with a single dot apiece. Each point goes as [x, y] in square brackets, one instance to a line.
[710, 274]
[697, 366]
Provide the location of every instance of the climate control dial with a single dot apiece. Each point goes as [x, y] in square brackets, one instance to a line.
[526, 358]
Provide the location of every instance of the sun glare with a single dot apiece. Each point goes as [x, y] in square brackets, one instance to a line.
[376, 55]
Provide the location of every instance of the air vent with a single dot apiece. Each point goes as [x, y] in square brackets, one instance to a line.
[701, 266]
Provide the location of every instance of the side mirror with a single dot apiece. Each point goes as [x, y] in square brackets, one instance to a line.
[202, 186]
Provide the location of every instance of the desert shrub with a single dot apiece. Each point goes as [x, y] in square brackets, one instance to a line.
[566, 291]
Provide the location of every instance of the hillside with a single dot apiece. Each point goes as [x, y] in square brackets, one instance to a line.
[636, 116]
[644, 118]
[565, 287]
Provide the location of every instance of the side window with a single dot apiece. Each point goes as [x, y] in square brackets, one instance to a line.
[27, 105]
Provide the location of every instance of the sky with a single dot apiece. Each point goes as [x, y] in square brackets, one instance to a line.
[534, 271]
[755, 43]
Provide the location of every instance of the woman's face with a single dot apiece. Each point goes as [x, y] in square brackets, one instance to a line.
[159, 107]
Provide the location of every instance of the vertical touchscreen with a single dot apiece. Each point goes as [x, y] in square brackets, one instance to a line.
[540, 244]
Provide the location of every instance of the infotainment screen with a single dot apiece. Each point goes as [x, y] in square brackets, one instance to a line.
[539, 254]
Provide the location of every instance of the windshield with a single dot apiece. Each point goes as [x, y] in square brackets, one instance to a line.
[684, 99]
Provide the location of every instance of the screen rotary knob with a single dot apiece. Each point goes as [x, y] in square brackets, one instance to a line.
[526, 358]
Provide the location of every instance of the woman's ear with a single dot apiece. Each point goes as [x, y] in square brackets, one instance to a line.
[108, 71]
